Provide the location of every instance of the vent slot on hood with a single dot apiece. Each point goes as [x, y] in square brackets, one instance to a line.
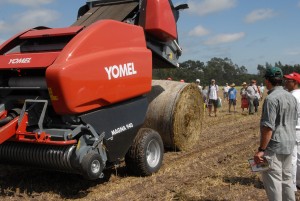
[44, 44]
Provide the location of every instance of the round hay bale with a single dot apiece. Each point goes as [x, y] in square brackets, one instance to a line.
[176, 112]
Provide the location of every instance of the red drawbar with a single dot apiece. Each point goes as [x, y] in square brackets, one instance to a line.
[13, 132]
[8, 130]
[40, 138]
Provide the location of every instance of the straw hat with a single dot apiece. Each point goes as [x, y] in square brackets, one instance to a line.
[232, 85]
[244, 83]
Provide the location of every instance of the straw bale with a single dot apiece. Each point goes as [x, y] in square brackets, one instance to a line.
[176, 112]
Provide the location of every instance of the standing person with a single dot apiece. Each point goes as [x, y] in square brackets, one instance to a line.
[292, 82]
[244, 100]
[250, 91]
[257, 95]
[277, 140]
[204, 95]
[262, 89]
[212, 95]
[232, 97]
[225, 91]
[198, 84]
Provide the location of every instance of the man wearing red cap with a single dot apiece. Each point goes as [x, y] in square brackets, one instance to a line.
[292, 82]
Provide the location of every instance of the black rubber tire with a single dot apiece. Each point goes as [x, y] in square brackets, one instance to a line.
[89, 170]
[138, 158]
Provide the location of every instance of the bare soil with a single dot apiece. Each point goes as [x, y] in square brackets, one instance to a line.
[215, 169]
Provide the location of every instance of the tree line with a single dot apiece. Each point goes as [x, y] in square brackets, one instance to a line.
[223, 70]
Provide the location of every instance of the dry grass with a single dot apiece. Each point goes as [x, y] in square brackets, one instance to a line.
[215, 169]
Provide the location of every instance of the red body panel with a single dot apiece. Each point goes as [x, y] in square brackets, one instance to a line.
[106, 63]
[160, 21]
[52, 32]
[29, 60]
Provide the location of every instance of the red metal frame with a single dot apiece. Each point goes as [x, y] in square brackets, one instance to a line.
[13, 132]
[8, 130]
[40, 138]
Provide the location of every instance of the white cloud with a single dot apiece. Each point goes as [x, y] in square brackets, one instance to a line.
[29, 19]
[199, 31]
[225, 38]
[205, 7]
[293, 52]
[29, 2]
[260, 14]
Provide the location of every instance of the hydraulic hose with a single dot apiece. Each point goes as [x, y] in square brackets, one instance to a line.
[5, 120]
[11, 115]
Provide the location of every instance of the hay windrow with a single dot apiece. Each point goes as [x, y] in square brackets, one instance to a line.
[176, 112]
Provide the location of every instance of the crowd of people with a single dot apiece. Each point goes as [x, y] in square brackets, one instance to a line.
[279, 146]
[251, 95]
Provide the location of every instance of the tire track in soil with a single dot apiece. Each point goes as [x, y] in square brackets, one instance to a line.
[215, 141]
[220, 152]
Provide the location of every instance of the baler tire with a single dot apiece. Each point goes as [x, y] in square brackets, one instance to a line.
[92, 166]
[145, 156]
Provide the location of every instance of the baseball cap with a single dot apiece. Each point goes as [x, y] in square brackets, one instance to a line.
[293, 76]
[274, 72]
[198, 80]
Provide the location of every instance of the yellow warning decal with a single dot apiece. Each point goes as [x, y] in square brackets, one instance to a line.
[52, 97]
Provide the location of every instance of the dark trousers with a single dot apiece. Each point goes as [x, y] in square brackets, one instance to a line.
[251, 106]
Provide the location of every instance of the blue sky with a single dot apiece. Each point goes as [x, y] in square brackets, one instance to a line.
[249, 32]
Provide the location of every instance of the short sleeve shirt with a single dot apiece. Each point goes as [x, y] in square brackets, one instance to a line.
[226, 89]
[232, 93]
[279, 113]
[213, 92]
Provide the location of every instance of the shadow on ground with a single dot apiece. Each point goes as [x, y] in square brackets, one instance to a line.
[17, 181]
[247, 181]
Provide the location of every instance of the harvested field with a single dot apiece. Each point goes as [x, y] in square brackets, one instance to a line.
[215, 169]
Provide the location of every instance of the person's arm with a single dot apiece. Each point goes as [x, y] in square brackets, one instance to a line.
[266, 134]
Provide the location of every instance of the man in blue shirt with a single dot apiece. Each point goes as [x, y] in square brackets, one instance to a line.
[232, 97]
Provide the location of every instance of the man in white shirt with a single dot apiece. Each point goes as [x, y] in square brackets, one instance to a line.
[198, 83]
[212, 95]
[292, 82]
[225, 91]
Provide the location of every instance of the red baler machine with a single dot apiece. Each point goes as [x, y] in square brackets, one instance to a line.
[73, 99]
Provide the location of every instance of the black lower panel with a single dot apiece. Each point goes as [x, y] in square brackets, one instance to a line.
[120, 123]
